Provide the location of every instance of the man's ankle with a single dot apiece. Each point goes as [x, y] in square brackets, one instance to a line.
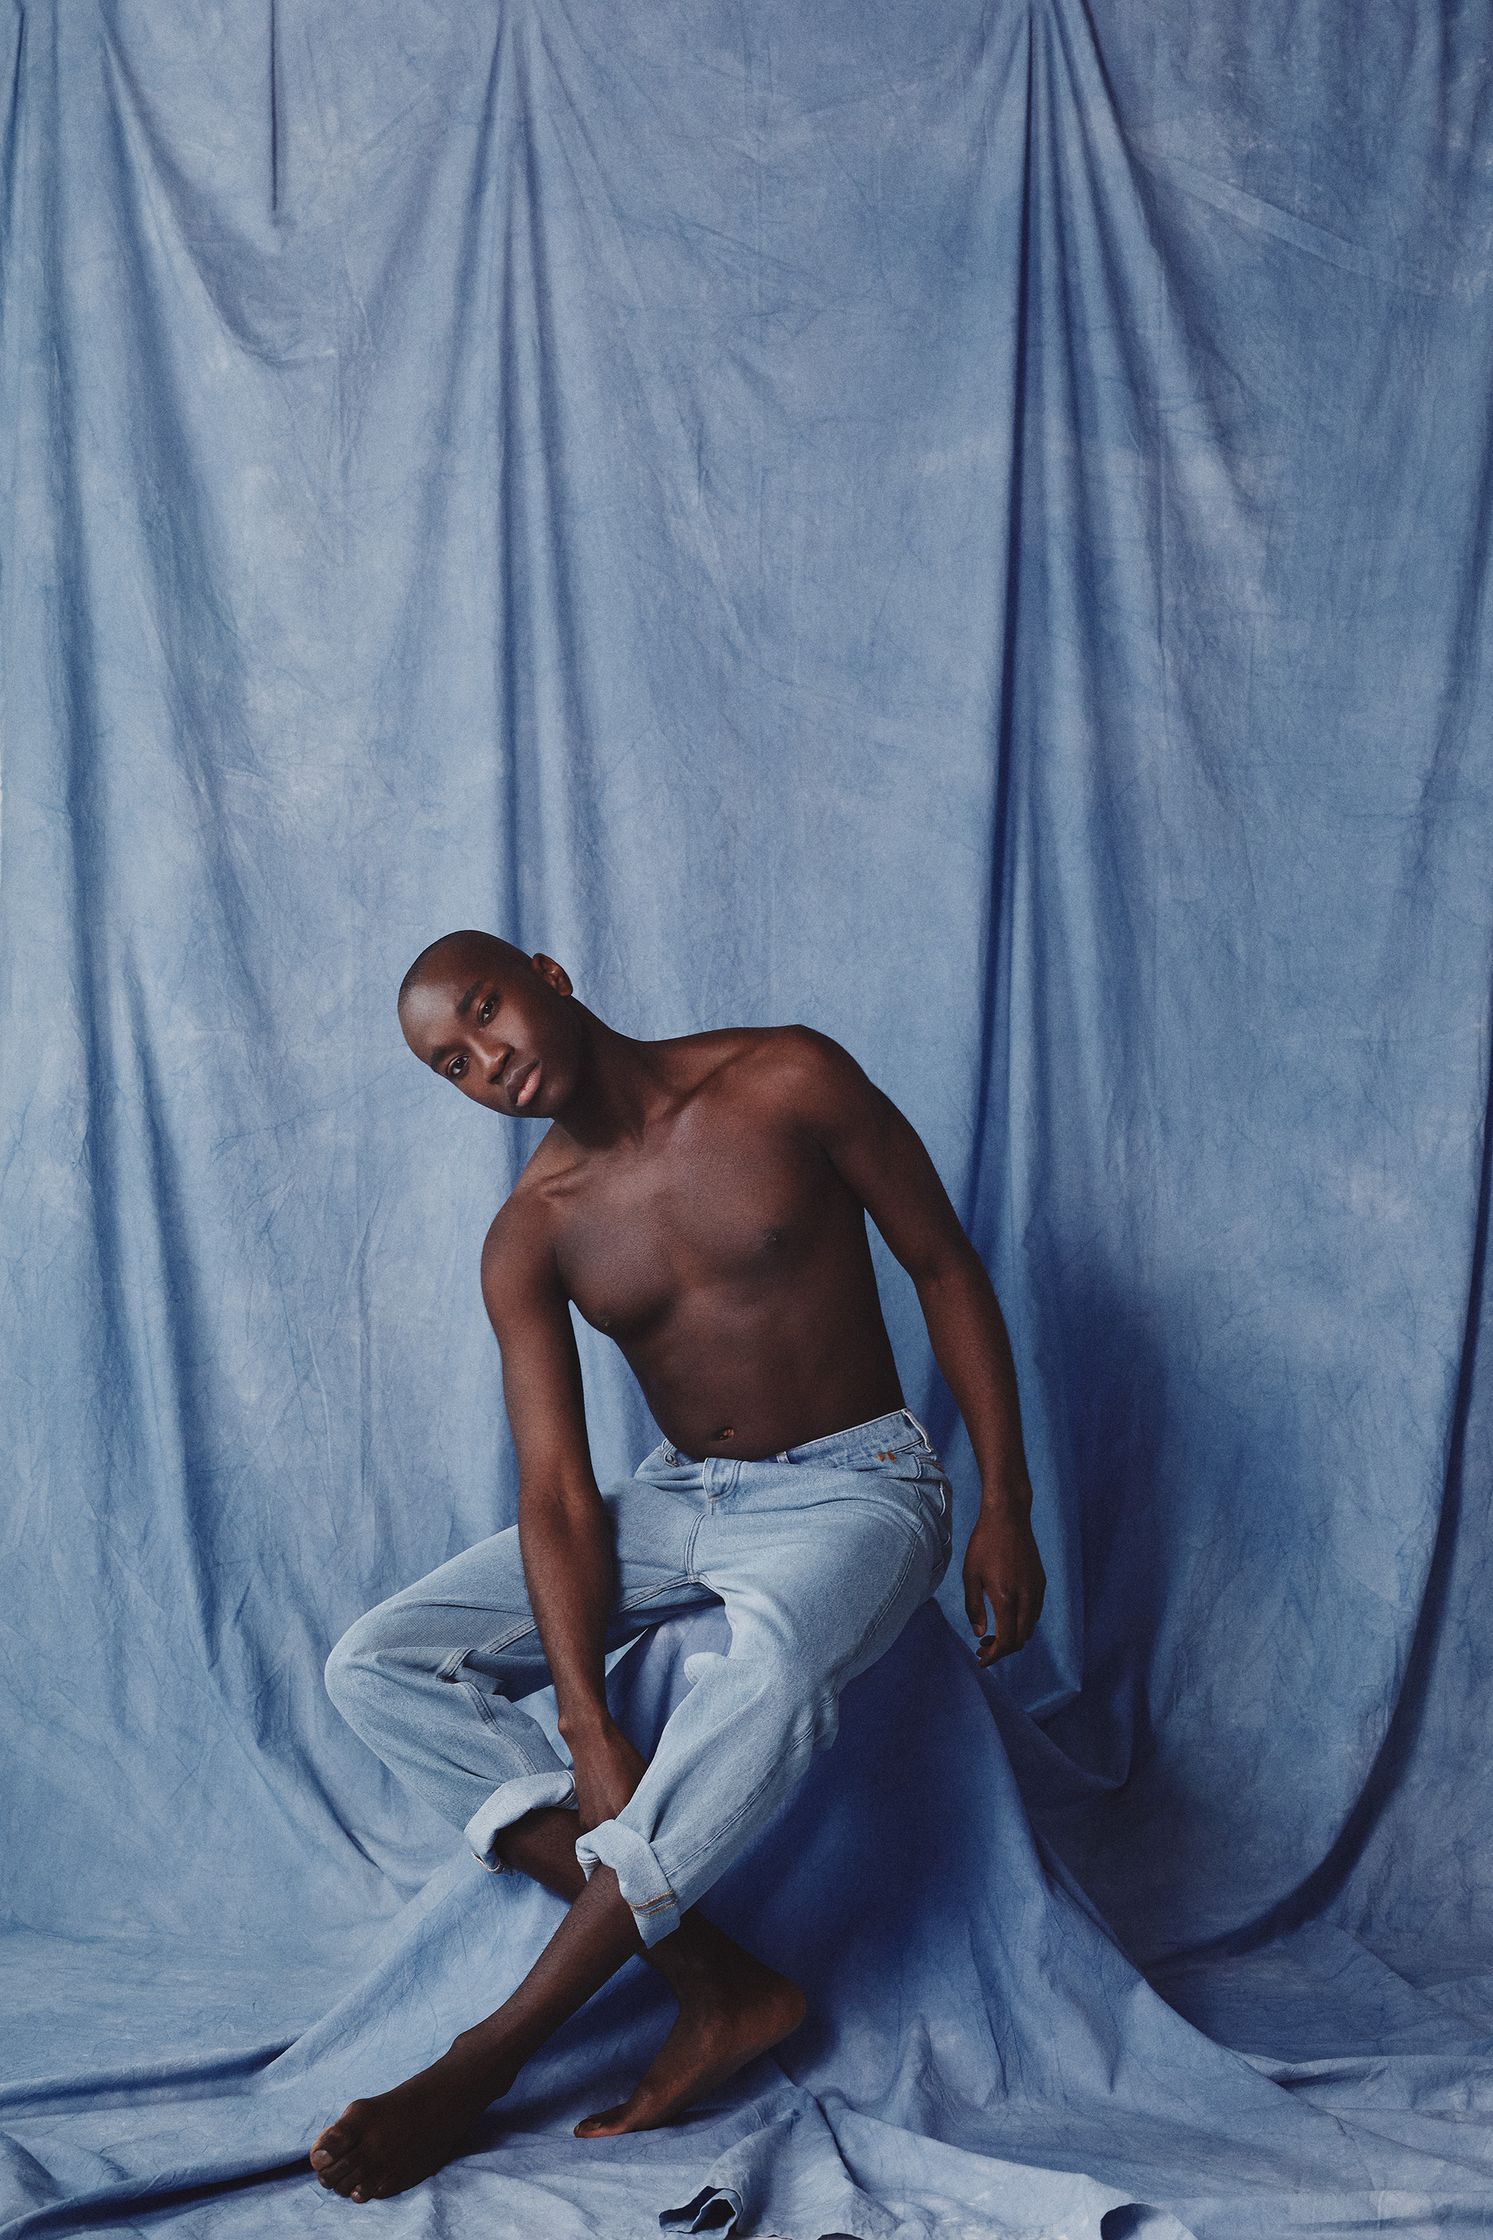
[541, 1844]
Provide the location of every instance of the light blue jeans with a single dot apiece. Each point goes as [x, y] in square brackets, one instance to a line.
[820, 1555]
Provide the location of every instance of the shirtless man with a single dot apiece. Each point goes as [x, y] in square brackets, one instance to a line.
[703, 1201]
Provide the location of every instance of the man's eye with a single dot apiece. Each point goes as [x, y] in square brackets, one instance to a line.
[485, 1012]
[452, 1073]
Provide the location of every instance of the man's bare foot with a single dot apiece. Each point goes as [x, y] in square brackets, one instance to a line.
[727, 2016]
[392, 2141]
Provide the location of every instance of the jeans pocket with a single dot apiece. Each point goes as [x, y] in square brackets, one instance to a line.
[920, 1471]
[938, 1494]
[942, 1494]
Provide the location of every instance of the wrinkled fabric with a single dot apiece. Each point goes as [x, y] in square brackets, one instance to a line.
[965, 525]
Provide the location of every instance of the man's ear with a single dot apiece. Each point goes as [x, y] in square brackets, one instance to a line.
[556, 974]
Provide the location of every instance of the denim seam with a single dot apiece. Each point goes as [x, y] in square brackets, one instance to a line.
[869, 1628]
[931, 1478]
[910, 1526]
[452, 1666]
[651, 1594]
[484, 1712]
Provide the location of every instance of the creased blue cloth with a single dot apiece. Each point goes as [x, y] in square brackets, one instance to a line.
[963, 524]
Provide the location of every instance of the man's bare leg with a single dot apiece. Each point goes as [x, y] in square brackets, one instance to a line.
[728, 2000]
[731, 2009]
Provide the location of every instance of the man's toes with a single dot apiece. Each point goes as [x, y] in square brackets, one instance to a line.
[339, 2138]
[361, 2179]
[338, 2150]
[344, 2175]
[348, 2171]
[601, 2125]
[636, 2113]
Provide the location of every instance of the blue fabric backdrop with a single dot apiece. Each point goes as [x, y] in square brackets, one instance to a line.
[963, 522]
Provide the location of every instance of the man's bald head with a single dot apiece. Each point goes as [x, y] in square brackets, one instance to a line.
[455, 951]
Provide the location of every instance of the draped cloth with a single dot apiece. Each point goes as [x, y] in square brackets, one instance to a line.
[963, 524]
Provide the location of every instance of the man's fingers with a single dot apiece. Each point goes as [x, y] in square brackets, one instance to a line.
[1012, 1620]
[1007, 1631]
[999, 1633]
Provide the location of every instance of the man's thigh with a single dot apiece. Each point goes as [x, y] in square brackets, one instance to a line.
[824, 1566]
[474, 1611]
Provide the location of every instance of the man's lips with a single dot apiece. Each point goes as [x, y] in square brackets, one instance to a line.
[527, 1079]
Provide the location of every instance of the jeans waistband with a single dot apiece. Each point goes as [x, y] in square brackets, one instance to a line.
[878, 1432]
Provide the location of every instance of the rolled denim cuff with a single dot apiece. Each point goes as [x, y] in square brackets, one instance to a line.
[526, 1791]
[640, 1878]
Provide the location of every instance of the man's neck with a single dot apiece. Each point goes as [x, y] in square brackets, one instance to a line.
[621, 1089]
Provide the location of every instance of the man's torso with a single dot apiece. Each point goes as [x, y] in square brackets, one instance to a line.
[725, 1255]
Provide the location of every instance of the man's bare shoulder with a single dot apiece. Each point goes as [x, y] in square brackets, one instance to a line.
[780, 1076]
[725, 1060]
[793, 1073]
[518, 1250]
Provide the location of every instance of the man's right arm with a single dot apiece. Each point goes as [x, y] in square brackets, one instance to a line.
[564, 1533]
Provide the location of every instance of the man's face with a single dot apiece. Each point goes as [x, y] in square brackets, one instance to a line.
[503, 1032]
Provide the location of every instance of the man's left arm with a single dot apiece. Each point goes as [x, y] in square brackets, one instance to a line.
[884, 1161]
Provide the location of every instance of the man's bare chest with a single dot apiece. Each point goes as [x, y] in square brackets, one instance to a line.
[744, 1208]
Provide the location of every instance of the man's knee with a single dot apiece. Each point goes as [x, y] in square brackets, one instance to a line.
[793, 1692]
[354, 1664]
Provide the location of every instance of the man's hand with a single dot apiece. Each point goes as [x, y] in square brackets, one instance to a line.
[1001, 1565]
[607, 1770]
